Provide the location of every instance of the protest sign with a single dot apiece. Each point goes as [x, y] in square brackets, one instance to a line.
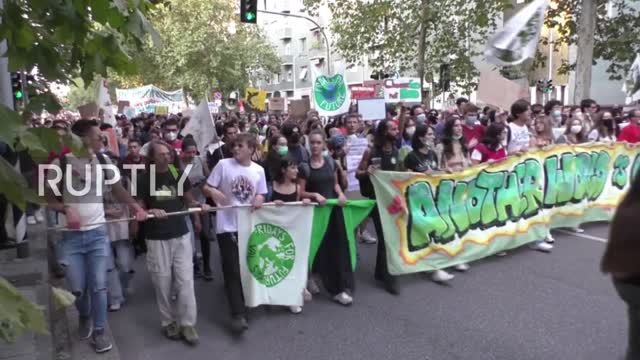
[88, 111]
[299, 108]
[161, 110]
[402, 90]
[362, 92]
[147, 98]
[276, 104]
[273, 243]
[356, 148]
[122, 105]
[255, 98]
[509, 93]
[372, 109]
[112, 140]
[104, 103]
[201, 127]
[438, 221]
[331, 95]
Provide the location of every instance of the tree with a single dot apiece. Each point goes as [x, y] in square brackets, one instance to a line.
[199, 53]
[389, 33]
[615, 39]
[61, 39]
[79, 94]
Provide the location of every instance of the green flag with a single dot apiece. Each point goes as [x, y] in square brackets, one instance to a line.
[354, 212]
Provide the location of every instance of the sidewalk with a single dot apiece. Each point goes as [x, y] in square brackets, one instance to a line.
[32, 277]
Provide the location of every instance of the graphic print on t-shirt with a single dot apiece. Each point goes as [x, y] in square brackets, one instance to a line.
[242, 188]
[166, 193]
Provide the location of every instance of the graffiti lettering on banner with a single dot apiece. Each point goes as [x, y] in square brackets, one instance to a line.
[438, 221]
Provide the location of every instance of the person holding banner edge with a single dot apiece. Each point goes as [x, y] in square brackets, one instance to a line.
[384, 155]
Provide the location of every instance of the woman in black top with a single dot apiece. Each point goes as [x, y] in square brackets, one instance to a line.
[383, 156]
[423, 158]
[319, 182]
[285, 189]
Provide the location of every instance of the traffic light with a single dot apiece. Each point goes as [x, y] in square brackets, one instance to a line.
[16, 86]
[445, 77]
[540, 86]
[249, 11]
[549, 86]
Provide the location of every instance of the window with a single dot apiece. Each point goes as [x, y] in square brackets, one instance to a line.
[276, 79]
[303, 73]
[289, 75]
[287, 47]
[290, 93]
[303, 44]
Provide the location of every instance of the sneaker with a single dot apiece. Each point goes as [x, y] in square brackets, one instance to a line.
[190, 335]
[367, 238]
[307, 295]
[549, 238]
[577, 230]
[31, 220]
[85, 328]
[114, 307]
[343, 298]
[501, 254]
[542, 246]
[101, 341]
[207, 275]
[462, 267]
[239, 324]
[172, 331]
[390, 284]
[295, 309]
[441, 276]
[313, 286]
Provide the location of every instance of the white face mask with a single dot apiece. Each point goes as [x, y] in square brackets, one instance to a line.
[576, 129]
[325, 152]
[411, 130]
[171, 136]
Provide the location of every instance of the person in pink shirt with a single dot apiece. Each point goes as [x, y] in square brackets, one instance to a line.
[472, 130]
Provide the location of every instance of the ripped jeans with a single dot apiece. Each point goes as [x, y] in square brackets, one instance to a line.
[85, 255]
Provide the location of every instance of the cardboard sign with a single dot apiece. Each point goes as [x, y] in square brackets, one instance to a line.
[88, 111]
[112, 140]
[162, 110]
[255, 98]
[509, 92]
[372, 109]
[276, 104]
[402, 90]
[298, 108]
[121, 105]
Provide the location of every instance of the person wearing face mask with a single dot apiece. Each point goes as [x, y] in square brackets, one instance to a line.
[170, 134]
[631, 132]
[553, 109]
[278, 148]
[291, 131]
[419, 114]
[605, 128]
[382, 156]
[472, 130]
[575, 133]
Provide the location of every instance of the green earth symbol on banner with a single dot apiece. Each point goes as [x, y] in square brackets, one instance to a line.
[271, 254]
[330, 93]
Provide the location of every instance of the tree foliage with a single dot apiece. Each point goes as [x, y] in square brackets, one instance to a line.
[199, 53]
[387, 32]
[617, 37]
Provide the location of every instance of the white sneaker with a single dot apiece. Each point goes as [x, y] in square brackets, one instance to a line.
[343, 298]
[577, 230]
[462, 267]
[31, 220]
[39, 216]
[307, 295]
[542, 246]
[367, 238]
[549, 239]
[441, 276]
[295, 309]
[114, 307]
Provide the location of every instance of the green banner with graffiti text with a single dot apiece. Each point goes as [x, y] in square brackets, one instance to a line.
[436, 221]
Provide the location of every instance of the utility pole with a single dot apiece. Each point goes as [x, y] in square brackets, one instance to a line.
[6, 96]
[584, 60]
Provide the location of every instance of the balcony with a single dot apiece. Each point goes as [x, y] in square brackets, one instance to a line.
[317, 51]
[286, 33]
[286, 59]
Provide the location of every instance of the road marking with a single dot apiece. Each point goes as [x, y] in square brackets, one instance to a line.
[586, 236]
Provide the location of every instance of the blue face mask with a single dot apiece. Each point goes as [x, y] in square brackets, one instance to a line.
[471, 120]
[420, 119]
[282, 150]
[557, 114]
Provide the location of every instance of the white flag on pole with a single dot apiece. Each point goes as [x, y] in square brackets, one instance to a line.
[201, 126]
[518, 40]
[273, 245]
[104, 103]
[632, 84]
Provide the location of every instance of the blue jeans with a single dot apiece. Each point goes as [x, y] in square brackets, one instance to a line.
[119, 270]
[85, 255]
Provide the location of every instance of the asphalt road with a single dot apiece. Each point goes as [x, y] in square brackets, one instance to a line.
[525, 306]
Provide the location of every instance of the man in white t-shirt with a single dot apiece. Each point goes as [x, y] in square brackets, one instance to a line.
[235, 181]
[85, 246]
[520, 135]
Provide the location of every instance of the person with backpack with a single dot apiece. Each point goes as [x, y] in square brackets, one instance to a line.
[384, 155]
[85, 244]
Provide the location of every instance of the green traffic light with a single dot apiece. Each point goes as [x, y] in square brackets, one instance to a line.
[250, 16]
[18, 94]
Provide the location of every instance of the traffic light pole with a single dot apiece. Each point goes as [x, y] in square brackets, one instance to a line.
[6, 96]
[326, 39]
